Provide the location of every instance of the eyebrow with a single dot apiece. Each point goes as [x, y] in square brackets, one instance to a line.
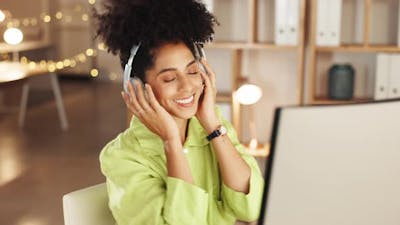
[174, 69]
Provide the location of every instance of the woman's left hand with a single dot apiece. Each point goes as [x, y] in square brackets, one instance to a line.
[206, 109]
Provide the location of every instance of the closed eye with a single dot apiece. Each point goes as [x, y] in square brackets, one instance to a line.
[170, 80]
[193, 70]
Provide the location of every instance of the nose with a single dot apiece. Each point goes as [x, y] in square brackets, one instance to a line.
[185, 85]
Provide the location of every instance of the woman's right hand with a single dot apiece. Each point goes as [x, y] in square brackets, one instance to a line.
[150, 112]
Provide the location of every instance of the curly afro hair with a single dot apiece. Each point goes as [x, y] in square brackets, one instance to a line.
[124, 23]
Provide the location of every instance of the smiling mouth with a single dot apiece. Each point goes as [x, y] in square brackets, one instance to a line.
[185, 101]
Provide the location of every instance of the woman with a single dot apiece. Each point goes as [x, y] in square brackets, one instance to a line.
[180, 161]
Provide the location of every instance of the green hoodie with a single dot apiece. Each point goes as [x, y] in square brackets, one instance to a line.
[140, 191]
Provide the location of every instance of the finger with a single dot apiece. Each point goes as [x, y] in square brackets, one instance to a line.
[208, 86]
[140, 97]
[128, 103]
[133, 100]
[210, 72]
[207, 82]
[152, 98]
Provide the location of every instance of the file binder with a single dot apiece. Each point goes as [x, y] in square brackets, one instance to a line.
[286, 22]
[394, 77]
[382, 76]
[293, 22]
[280, 22]
[328, 22]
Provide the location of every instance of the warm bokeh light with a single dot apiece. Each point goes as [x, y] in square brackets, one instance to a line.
[33, 21]
[85, 17]
[94, 72]
[92, 2]
[51, 67]
[89, 52]
[46, 19]
[25, 22]
[2, 16]
[67, 62]
[248, 94]
[81, 57]
[32, 65]
[13, 36]
[42, 63]
[59, 65]
[23, 60]
[253, 143]
[73, 63]
[59, 15]
[101, 46]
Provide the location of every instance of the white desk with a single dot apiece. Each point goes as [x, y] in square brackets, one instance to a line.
[14, 71]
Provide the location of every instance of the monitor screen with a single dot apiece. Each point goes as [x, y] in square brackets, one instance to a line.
[334, 165]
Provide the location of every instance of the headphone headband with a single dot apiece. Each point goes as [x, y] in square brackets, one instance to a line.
[128, 66]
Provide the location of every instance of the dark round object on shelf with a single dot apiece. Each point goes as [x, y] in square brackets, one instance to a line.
[341, 82]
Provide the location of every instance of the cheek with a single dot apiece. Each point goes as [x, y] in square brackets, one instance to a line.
[162, 93]
[197, 82]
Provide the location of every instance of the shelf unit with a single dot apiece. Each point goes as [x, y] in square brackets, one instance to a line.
[252, 43]
[366, 46]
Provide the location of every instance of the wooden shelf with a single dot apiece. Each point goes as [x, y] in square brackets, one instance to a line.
[364, 47]
[249, 45]
[358, 48]
[326, 101]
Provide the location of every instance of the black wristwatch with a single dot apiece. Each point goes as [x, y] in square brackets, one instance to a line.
[221, 130]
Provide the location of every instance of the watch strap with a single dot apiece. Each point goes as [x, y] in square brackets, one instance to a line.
[213, 134]
[221, 130]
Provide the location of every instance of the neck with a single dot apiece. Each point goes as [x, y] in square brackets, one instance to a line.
[182, 126]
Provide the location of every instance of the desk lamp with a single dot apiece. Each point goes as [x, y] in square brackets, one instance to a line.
[249, 94]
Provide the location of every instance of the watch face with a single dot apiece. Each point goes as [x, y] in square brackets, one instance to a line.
[222, 130]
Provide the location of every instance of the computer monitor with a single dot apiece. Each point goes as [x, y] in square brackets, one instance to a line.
[334, 165]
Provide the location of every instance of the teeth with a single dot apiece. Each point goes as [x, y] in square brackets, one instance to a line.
[185, 101]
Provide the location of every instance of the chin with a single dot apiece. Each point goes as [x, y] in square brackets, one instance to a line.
[185, 111]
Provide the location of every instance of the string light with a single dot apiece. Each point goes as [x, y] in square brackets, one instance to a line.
[101, 46]
[50, 65]
[25, 22]
[32, 65]
[59, 15]
[59, 65]
[89, 52]
[94, 72]
[71, 62]
[46, 18]
[33, 21]
[5, 17]
[67, 62]
[13, 36]
[85, 17]
[2, 16]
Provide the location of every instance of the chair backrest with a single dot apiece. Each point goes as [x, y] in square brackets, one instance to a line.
[88, 206]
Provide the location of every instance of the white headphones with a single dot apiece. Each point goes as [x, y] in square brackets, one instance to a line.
[198, 54]
[128, 67]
